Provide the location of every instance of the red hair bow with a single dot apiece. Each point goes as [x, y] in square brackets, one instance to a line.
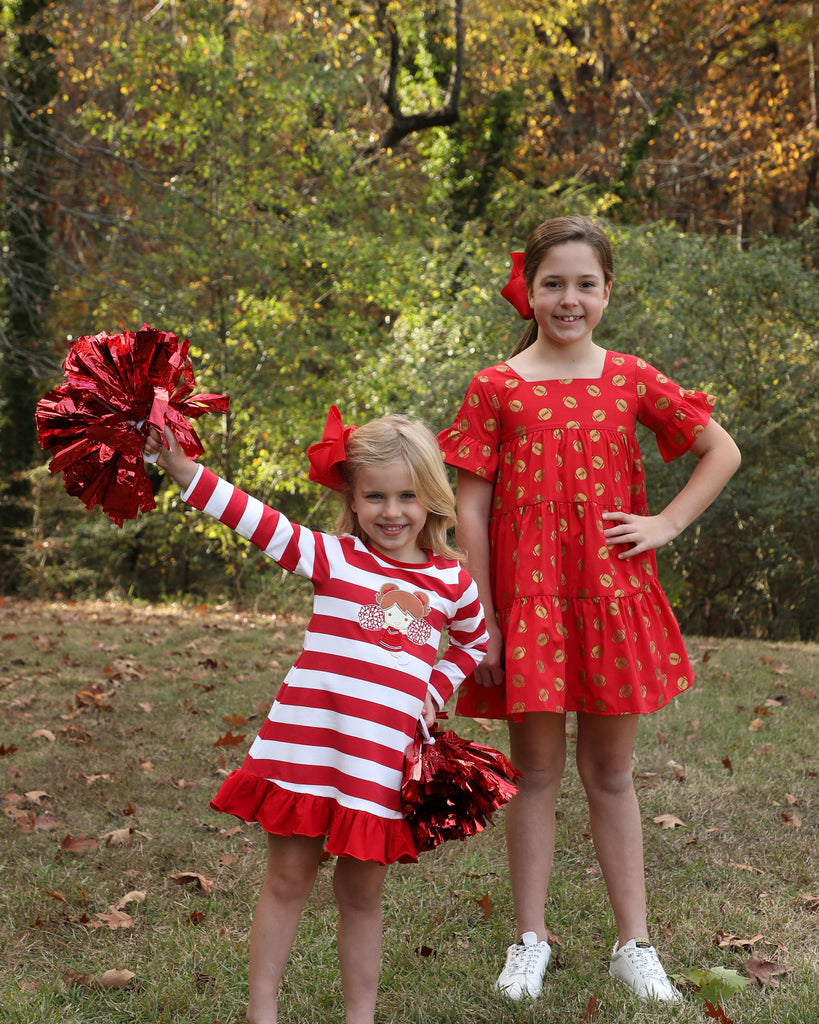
[516, 290]
[329, 454]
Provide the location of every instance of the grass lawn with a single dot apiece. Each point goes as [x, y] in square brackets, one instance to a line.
[119, 721]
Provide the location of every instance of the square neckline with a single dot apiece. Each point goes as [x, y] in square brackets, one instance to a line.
[559, 380]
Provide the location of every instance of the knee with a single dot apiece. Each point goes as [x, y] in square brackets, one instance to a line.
[354, 894]
[290, 881]
[600, 776]
[541, 771]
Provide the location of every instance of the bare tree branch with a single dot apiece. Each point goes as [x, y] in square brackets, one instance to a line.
[405, 124]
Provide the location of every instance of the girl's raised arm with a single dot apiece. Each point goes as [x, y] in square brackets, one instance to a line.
[474, 504]
[718, 458]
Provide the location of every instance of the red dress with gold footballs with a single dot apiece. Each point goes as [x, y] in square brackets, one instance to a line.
[584, 630]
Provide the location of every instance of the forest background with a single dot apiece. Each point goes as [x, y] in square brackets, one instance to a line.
[323, 198]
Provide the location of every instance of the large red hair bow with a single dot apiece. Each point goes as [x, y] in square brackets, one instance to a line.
[328, 455]
[516, 290]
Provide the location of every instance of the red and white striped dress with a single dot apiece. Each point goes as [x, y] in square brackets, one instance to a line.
[328, 760]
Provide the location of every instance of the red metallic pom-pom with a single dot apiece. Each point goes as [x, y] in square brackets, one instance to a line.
[452, 787]
[96, 421]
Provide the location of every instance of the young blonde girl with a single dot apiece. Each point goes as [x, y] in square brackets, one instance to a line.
[325, 769]
[553, 519]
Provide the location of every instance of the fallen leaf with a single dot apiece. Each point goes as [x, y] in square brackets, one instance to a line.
[725, 941]
[115, 920]
[76, 978]
[755, 725]
[94, 696]
[764, 972]
[485, 903]
[116, 978]
[35, 796]
[229, 740]
[119, 837]
[79, 844]
[717, 1013]
[791, 819]
[186, 877]
[44, 734]
[668, 821]
[591, 1008]
[91, 779]
[135, 896]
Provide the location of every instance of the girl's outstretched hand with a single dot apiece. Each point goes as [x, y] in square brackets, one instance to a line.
[643, 533]
[172, 459]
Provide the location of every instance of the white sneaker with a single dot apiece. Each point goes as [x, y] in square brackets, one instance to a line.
[637, 965]
[526, 963]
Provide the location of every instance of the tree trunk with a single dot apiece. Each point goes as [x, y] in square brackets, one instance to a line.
[30, 85]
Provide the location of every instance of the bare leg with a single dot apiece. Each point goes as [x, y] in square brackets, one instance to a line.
[358, 886]
[538, 749]
[604, 747]
[292, 864]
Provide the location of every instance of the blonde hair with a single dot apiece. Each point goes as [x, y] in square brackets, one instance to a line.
[559, 231]
[396, 438]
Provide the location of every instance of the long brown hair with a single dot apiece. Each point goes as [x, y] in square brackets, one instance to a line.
[396, 438]
[554, 232]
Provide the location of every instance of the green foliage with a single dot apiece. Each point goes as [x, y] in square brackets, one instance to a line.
[221, 167]
[714, 984]
[741, 324]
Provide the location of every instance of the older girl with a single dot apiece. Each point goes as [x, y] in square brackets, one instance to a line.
[553, 519]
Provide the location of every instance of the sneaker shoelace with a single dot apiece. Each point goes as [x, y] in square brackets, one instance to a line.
[526, 958]
[646, 961]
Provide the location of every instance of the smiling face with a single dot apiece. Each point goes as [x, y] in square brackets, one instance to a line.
[568, 294]
[389, 512]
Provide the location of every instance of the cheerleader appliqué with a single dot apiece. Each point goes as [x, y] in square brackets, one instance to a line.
[399, 616]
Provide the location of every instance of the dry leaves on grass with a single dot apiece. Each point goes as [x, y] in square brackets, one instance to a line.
[115, 978]
[727, 941]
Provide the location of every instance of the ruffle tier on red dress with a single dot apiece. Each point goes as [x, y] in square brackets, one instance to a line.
[350, 833]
